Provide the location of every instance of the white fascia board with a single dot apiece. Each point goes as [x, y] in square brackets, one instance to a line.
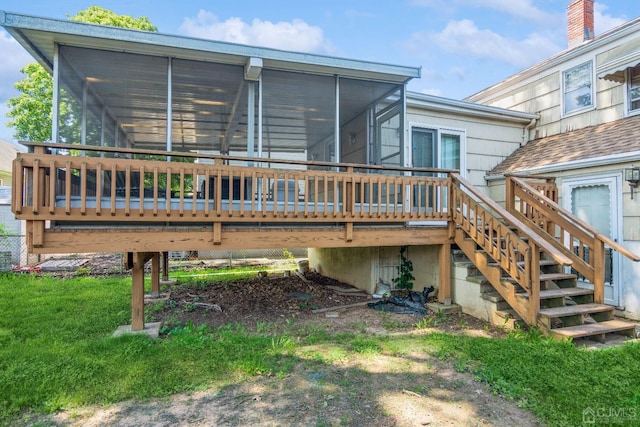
[465, 108]
[612, 159]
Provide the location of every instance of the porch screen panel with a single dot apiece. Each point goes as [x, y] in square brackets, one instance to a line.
[358, 98]
[298, 115]
[131, 88]
[209, 107]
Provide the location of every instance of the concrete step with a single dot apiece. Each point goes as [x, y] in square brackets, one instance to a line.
[508, 314]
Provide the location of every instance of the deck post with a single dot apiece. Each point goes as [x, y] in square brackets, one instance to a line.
[444, 274]
[598, 271]
[509, 195]
[165, 266]
[137, 292]
[155, 274]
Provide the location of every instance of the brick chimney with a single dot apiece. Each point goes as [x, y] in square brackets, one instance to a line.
[580, 22]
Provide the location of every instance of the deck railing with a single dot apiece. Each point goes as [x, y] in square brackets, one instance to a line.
[84, 188]
[510, 243]
[577, 240]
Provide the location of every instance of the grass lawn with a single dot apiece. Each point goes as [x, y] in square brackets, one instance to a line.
[56, 352]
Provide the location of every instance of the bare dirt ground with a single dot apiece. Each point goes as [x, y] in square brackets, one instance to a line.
[376, 389]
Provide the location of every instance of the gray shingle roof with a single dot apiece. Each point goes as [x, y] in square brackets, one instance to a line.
[613, 138]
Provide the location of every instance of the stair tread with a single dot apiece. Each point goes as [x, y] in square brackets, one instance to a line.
[546, 262]
[548, 276]
[570, 310]
[557, 276]
[564, 292]
[588, 329]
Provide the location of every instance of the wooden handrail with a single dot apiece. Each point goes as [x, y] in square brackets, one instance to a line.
[345, 166]
[557, 256]
[551, 206]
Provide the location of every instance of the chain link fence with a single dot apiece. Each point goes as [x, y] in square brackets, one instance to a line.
[235, 256]
[13, 252]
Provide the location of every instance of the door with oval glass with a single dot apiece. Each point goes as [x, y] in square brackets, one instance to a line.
[596, 201]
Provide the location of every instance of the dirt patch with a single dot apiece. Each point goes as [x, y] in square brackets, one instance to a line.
[403, 389]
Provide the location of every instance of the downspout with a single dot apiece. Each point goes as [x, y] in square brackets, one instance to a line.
[527, 128]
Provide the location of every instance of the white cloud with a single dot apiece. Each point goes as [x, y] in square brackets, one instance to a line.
[432, 91]
[14, 57]
[296, 35]
[603, 21]
[521, 9]
[465, 38]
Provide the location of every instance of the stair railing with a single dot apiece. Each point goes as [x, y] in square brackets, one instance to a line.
[577, 240]
[514, 246]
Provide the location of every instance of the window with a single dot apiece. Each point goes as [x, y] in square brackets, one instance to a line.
[440, 148]
[437, 148]
[633, 94]
[578, 88]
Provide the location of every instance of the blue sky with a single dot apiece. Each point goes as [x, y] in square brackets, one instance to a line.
[462, 46]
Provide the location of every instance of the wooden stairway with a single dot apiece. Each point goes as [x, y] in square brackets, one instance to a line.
[566, 310]
[528, 272]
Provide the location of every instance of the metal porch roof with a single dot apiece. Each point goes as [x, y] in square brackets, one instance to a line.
[39, 35]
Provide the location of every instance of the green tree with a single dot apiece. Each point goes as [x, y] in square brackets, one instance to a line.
[30, 113]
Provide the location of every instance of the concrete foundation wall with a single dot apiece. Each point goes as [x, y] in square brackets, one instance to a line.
[360, 266]
[425, 266]
[349, 265]
[466, 294]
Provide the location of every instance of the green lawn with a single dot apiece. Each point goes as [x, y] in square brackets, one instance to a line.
[56, 352]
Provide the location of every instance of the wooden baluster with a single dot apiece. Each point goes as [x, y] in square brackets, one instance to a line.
[141, 186]
[155, 191]
[127, 191]
[113, 188]
[67, 188]
[181, 203]
[53, 178]
[98, 189]
[83, 188]
[168, 192]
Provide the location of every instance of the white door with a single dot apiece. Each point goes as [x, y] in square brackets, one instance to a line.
[596, 201]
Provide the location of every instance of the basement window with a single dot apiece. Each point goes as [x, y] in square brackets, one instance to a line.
[577, 86]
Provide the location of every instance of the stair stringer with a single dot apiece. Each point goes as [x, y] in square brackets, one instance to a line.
[494, 274]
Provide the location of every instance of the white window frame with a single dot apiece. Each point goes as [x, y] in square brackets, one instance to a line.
[563, 94]
[439, 130]
[627, 96]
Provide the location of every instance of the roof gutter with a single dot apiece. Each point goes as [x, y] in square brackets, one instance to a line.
[470, 109]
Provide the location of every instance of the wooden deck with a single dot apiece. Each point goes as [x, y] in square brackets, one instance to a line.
[112, 201]
[116, 204]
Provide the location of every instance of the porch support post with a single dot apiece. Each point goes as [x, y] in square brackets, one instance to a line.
[598, 271]
[155, 274]
[510, 197]
[137, 292]
[444, 274]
